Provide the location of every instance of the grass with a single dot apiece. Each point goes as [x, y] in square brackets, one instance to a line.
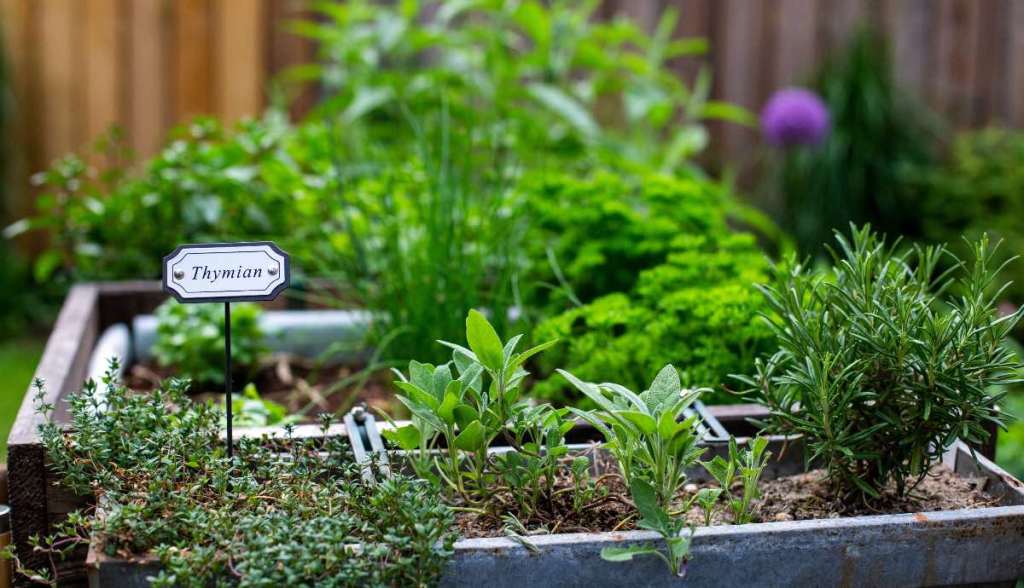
[18, 359]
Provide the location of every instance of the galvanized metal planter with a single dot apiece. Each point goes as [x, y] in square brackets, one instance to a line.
[956, 547]
[977, 546]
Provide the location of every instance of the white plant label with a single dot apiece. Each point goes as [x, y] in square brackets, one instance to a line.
[226, 272]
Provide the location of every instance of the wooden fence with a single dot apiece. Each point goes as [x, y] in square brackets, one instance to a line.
[81, 65]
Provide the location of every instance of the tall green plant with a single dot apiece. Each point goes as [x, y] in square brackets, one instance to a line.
[549, 79]
[877, 369]
[418, 241]
[863, 170]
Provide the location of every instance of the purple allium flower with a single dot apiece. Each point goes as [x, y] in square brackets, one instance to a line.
[794, 116]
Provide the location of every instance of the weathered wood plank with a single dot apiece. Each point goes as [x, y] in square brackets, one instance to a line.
[102, 54]
[148, 75]
[240, 58]
[61, 368]
[956, 44]
[192, 59]
[796, 42]
[60, 95]
[911, 35]
[1015, 75]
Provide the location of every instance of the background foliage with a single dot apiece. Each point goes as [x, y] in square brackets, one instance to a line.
[864, 170]
[657, 277]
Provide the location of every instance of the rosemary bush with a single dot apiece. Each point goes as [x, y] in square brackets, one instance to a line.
[301, 517]
[877, 368]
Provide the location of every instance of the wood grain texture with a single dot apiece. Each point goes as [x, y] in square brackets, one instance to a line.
[240, 58]
[1015, 67]
[956, 46]
[148, 73]
[60, 80]
[17, 23]
[61, 368]
[910, 33]
[102, 56]
[796, 42]
[193, 59]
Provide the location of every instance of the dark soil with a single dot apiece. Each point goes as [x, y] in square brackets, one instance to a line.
[609, 507]
[809, 496]
[800, 497]
[300, 385]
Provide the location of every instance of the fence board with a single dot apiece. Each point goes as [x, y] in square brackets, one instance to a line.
[149, 64]
[1015, 74]
[59, 76]
[192, 58]
[103, 67]
[910, 33]
[146, 79]
[957, 41]
[796, 44]
[240, 54]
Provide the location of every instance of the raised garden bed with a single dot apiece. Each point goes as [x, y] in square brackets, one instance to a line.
[966, 546]
[977, 545]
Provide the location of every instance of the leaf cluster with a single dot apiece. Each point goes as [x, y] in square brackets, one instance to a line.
[467, 411]
[547, 81]
[291, 512]
[979, 189]
[695, 306]
[878, 369]
[644, 431]
[190, 339]
[654, 439]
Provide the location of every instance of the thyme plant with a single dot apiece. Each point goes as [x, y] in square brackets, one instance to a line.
[878, 369]
[289, 513]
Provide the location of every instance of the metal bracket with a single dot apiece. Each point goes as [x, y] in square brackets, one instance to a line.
[708, 426]
[367, 445]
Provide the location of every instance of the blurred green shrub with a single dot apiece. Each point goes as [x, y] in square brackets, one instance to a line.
[537, 79]
[190, 339]
[594, 235]
[979, 189]
[672, 284]
[206, 185]
[863, 172]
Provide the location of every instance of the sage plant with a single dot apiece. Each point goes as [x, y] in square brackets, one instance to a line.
[469, 410]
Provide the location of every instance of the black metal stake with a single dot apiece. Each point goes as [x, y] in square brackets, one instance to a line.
[227, 373]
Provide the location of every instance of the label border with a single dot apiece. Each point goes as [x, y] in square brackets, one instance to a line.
[231, 298]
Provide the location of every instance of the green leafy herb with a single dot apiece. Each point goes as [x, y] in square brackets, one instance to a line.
[282, 512]
[643, 431]
[877, 369]
[190, 339]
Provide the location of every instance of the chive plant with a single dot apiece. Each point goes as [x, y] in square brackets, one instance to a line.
[878, 368]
